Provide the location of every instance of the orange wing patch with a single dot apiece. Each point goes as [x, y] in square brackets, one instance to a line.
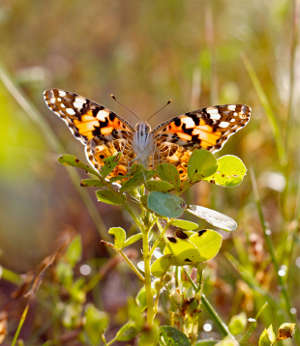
[102, 132]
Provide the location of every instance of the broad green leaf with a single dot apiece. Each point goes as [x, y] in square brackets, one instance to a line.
[199, 247]
[184, 224]
[202, 163]
[161, 265]
[109, 164]
[170, 336]
[73, 253]
[267, 337]
[119, 236]
[109, 197]
[238, 323]
[159, 185]
[286, 330]
[134, 182]
[169, 173]
[141, 299]
[71, 160]
[133, 239]
[230, 172]
[91, 182]
[96, 322]
[127, 332]
[213, 217]
[166, 204]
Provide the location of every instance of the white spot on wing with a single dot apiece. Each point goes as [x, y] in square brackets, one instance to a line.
[61, 93]
[79, 102]
[102, 115]
[189, 122]
[70, 111]
[52, 100]
[232, 107]
[224, 124]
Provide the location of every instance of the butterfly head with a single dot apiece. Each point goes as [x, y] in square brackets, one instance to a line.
[143, 144]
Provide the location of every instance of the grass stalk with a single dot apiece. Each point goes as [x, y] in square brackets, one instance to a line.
[20, 325]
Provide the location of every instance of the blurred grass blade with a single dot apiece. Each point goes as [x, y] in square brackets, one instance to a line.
[33, 113]
[268, 109]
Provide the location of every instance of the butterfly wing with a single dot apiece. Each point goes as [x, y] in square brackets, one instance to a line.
[100, 130]
[208, 128]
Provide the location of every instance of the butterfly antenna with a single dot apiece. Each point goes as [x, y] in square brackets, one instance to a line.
[128, 109]
[160, 109]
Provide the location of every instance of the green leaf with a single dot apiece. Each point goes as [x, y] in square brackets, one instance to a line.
[213, 217]
[141, 299]
[96, 322]
[230, 172]
[238, 323]
[227, 341]
[170, 336]
[119, 236]
[206, 342]
[134, 182]
[169, 173]
[202, 163]
[199, 247]
[109, 164]
[166, 204]
[160, 266]
[133, 239]
[91, 182]
[109, 197]
[184, 224]
[127, 332]
[71, 160]
[73, 253]
[159, 185]
[267, 337]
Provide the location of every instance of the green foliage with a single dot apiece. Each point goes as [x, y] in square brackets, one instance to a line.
[169, 173]
[184, 224]
[202, 164]
[96, 322]
[267, 337]
[110, 197]
[238, 323]
[166, 204]
[71, 160]
[170, 336]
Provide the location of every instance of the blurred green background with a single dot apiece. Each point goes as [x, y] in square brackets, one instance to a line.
[144, 52]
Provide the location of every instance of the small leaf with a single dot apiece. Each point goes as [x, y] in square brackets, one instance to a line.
[227, 341]
[109, 164]
[169, 173]
[170, 336]
[184, 224]
[71, 160]
[160, 266]
[238, 323]
[134, 182]
[133, 239]
[166, 204]
[109, 197]
[127, 332]
[213, 217]
[119, 236]
[230, 172]
[202, 163]
[206, 342]
[286, 330]
[159, 185]
[96, 322]
[73, 253]
[199, 247]
[91, 182]
[267, 337]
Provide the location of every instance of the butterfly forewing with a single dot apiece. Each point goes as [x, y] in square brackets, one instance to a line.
[101, 131]
[208, 128]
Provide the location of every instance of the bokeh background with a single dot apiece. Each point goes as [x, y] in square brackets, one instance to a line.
[144, 52]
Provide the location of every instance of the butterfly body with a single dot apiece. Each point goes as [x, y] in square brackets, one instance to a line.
[104, 133]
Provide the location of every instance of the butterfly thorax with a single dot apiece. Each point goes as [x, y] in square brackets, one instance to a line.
[143, 144]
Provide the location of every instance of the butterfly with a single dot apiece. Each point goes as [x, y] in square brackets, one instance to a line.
[104, 134]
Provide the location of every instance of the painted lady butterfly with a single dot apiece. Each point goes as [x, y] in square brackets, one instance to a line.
[103, 133]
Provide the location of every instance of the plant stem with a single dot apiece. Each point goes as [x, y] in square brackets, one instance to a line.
[148, 289]
[131, 265]
[20, 325]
